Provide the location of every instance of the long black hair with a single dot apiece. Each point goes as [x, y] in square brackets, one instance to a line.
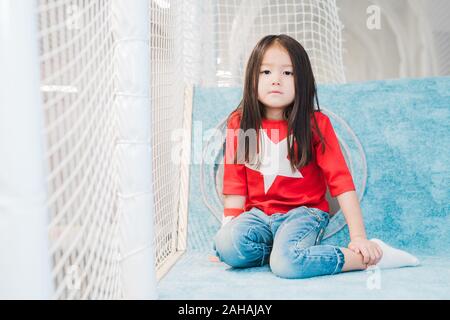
[298, 114]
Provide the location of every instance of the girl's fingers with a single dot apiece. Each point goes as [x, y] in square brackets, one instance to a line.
[376, 255]
[380, 253]
[373, 256]
[370, 256]
[213, 259]
[366, 255]
[355, 249]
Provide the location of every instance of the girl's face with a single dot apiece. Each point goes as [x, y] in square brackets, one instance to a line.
[276, 88]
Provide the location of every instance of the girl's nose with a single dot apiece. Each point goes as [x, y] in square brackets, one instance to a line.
[275, 82]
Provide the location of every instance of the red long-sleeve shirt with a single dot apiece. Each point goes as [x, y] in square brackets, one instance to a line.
[276, 188]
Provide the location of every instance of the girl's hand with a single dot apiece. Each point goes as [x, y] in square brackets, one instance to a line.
[213, 259]
[226, 220]
[370, 251]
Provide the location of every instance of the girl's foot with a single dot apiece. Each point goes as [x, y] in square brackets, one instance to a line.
[394, 258]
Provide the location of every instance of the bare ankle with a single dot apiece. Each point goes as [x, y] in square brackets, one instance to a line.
[353, 260]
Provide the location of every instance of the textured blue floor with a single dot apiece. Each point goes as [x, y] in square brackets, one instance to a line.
[194, 277]
[404, 128]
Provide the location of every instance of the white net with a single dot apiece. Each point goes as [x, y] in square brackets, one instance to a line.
[167, 104]
[227, 30]
[76, 59]
[437, 12]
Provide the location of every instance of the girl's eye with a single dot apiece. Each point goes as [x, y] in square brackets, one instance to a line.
[287, 72]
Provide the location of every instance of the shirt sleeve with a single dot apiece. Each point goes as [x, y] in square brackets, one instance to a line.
[234, 175]
[332, 161]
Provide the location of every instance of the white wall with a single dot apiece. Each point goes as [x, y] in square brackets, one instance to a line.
[412, 41]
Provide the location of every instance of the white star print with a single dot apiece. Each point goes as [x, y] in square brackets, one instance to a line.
[274, 161]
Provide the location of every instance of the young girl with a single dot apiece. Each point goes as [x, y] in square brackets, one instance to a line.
[275, 183]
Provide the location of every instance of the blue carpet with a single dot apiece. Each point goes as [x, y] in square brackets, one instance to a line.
[404, 129]
[194, 277]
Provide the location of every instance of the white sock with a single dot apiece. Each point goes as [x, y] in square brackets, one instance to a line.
[394, 258]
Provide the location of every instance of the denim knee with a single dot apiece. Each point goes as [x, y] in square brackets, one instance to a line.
[284, 263]
[234, 248]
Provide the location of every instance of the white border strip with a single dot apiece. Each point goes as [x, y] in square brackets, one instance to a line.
[134, 152]
[25, 271]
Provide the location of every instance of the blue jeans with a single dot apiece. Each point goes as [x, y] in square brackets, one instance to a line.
[290, 242]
